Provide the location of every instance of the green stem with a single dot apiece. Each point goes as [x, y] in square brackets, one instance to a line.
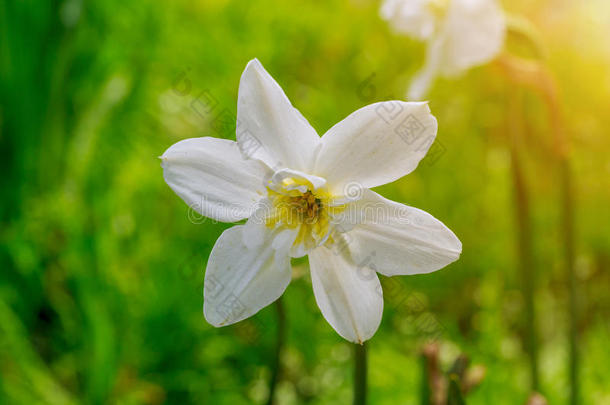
[454, 393]
[426, 392]
[360, 368]
[524, 242]
[281, 337]
[538, 77]
[568, 233]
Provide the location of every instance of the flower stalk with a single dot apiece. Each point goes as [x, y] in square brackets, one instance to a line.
[523, 220]
[276, 369]
[360, 373]
[534, 75]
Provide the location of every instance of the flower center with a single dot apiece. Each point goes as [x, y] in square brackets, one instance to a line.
[301, 202]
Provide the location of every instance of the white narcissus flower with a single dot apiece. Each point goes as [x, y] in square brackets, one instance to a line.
[309, 195]
[460, 34]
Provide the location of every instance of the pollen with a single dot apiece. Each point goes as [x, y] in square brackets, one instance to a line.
[297, 205]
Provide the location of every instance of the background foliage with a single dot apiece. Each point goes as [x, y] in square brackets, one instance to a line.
[102, 266]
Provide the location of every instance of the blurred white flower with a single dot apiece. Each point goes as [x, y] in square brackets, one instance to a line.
[460, 34]
[308, 195]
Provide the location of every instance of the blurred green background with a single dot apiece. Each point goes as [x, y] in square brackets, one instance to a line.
[102, 265]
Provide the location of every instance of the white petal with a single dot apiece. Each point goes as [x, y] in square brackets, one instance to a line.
[349, 297]
[307, 181]
[213, 178]
[240, 281]
[397, 239]
[298, 250]
[473, 34]
[375, 145]
[413, 17]
[269, 128]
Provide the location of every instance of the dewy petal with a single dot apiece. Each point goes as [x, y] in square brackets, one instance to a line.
[375, 145]
[396, 239]
[473, 34]
[213, 178]
[349, 297]
[240, 281]
[269, 128]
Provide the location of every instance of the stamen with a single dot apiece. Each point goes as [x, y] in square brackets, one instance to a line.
[306, 210]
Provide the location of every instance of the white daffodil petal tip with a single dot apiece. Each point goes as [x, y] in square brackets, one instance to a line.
[400, 240]
[283, 137]
[240, 281]
[376, 144]
[349, 297]
[213, 179]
